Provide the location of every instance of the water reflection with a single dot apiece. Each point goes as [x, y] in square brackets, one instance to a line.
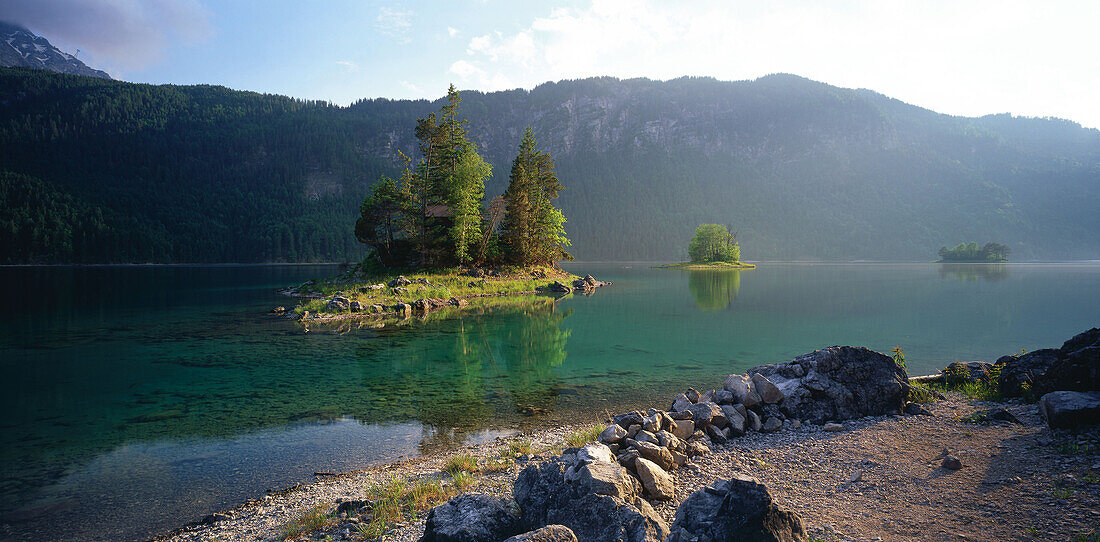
[971, 272]
[714, 290]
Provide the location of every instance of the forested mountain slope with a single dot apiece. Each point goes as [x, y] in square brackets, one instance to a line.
[94, 170]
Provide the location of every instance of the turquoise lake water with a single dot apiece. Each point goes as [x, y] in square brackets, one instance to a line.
[139, 399]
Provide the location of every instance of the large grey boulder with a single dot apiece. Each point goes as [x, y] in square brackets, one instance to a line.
[838, 383]
[768, 391]
[743, 390]
[1019, 370]
[1070, 409]
[546, 497]
[549, 533]
[739, 509]
[1073, 367]
[470, 518]
[338, 303]
[606, 478]
[704, 414]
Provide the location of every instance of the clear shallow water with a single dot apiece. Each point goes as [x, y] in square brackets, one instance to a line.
[138, 399]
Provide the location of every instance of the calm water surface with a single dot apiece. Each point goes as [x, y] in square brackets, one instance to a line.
[139, 399]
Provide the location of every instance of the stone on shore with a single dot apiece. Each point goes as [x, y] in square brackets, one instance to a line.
[743, 391]
[655, 480]
[614, 433]
[549, 533]
[470, 518]
[768, 391]
[963, 372]
[338, 303]
[683, 428]
[838, 383]
[736, 509]
[1070, 409]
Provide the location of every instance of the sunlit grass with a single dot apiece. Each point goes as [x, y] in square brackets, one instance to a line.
[310, 520]
[582, 436]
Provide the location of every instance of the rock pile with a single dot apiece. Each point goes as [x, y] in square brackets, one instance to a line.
[586, 284]
[1066, 380]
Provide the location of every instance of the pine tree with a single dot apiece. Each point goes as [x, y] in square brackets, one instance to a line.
[534, 231]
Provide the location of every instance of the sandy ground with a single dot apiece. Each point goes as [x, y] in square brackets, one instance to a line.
[879, 479]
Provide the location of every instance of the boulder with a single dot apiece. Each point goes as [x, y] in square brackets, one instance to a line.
[704, 414]
[724, 397]
[962, 372]
[742, 389]
[655, 453]
[838, 383]
[771, 424]
[1070, 409]
[605, 478]
[681, 403]
[1078, 367]
[655, 480]
[736, 509]
[753, 421]
[398, 282]
[544, 496]
[768, 391]
[339, 303]
[557, 286]
[593, 451]
[683, 428]
[1019, 370]
[355, 306]
[549, 533]
[470, 518]
[735, 420]
[614, 433]
[404, 310]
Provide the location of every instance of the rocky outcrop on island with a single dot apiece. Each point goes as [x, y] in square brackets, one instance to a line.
[601, 491]
[585, 285]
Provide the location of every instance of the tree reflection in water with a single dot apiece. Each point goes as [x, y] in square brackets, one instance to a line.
[714, 290]
[970, 272]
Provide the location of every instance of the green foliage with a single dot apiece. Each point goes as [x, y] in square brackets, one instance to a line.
[969, 252]
[920, 392]
[985, 389]
[533, 230]
[463, 462]
[899, 356]
[714, 243]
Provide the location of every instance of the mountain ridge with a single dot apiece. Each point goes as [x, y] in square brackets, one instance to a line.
[20, 47]
[804, 170]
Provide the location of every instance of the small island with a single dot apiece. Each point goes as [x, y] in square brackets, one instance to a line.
[436, 244]
[971, 253]
[712, 247]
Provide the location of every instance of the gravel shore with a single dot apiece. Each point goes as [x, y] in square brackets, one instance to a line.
[878, 479]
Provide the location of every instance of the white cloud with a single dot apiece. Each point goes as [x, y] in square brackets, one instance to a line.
[452, 31]
[969, 58]
[395, 23]
[348, 65]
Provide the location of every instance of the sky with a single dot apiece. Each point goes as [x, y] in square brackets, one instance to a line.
[958, 57]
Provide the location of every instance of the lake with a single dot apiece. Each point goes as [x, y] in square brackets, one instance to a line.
[137, 399]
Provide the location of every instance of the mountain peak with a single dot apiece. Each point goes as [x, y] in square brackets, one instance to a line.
[21, 47]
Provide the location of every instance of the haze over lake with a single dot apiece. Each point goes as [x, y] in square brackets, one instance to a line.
[139, 398]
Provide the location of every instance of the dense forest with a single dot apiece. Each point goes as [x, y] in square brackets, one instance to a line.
[94, 170]
[971, 252]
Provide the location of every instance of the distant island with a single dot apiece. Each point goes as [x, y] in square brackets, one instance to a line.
[712, 247]
[971, 253]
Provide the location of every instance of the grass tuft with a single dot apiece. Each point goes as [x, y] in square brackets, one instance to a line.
[582, 436]
[310, 520]
[463, 462]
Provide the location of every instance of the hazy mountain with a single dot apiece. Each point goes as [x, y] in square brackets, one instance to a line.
[21, 47]
[110, 171]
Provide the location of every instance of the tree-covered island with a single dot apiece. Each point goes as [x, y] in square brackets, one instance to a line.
[434, 240]
[971, 253]
[713, 247]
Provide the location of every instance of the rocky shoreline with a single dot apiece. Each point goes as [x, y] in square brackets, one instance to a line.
[827, 446]
[340, 308]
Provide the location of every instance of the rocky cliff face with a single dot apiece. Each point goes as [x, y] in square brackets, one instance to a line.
[20, 47]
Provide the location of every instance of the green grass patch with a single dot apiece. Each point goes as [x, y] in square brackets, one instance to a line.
[519, 447]
[310, 520]
[919, 392]
[707, 265]
[463, 462]
[397, 499]
[582, 436]
[983, 390]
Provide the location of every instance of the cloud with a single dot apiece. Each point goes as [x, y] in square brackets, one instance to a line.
[394, 23]
[452, 31]
[348, 65]
[128, 34]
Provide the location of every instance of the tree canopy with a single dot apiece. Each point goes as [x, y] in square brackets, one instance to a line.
[436, 214]
[714, 243]
[969, 252]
